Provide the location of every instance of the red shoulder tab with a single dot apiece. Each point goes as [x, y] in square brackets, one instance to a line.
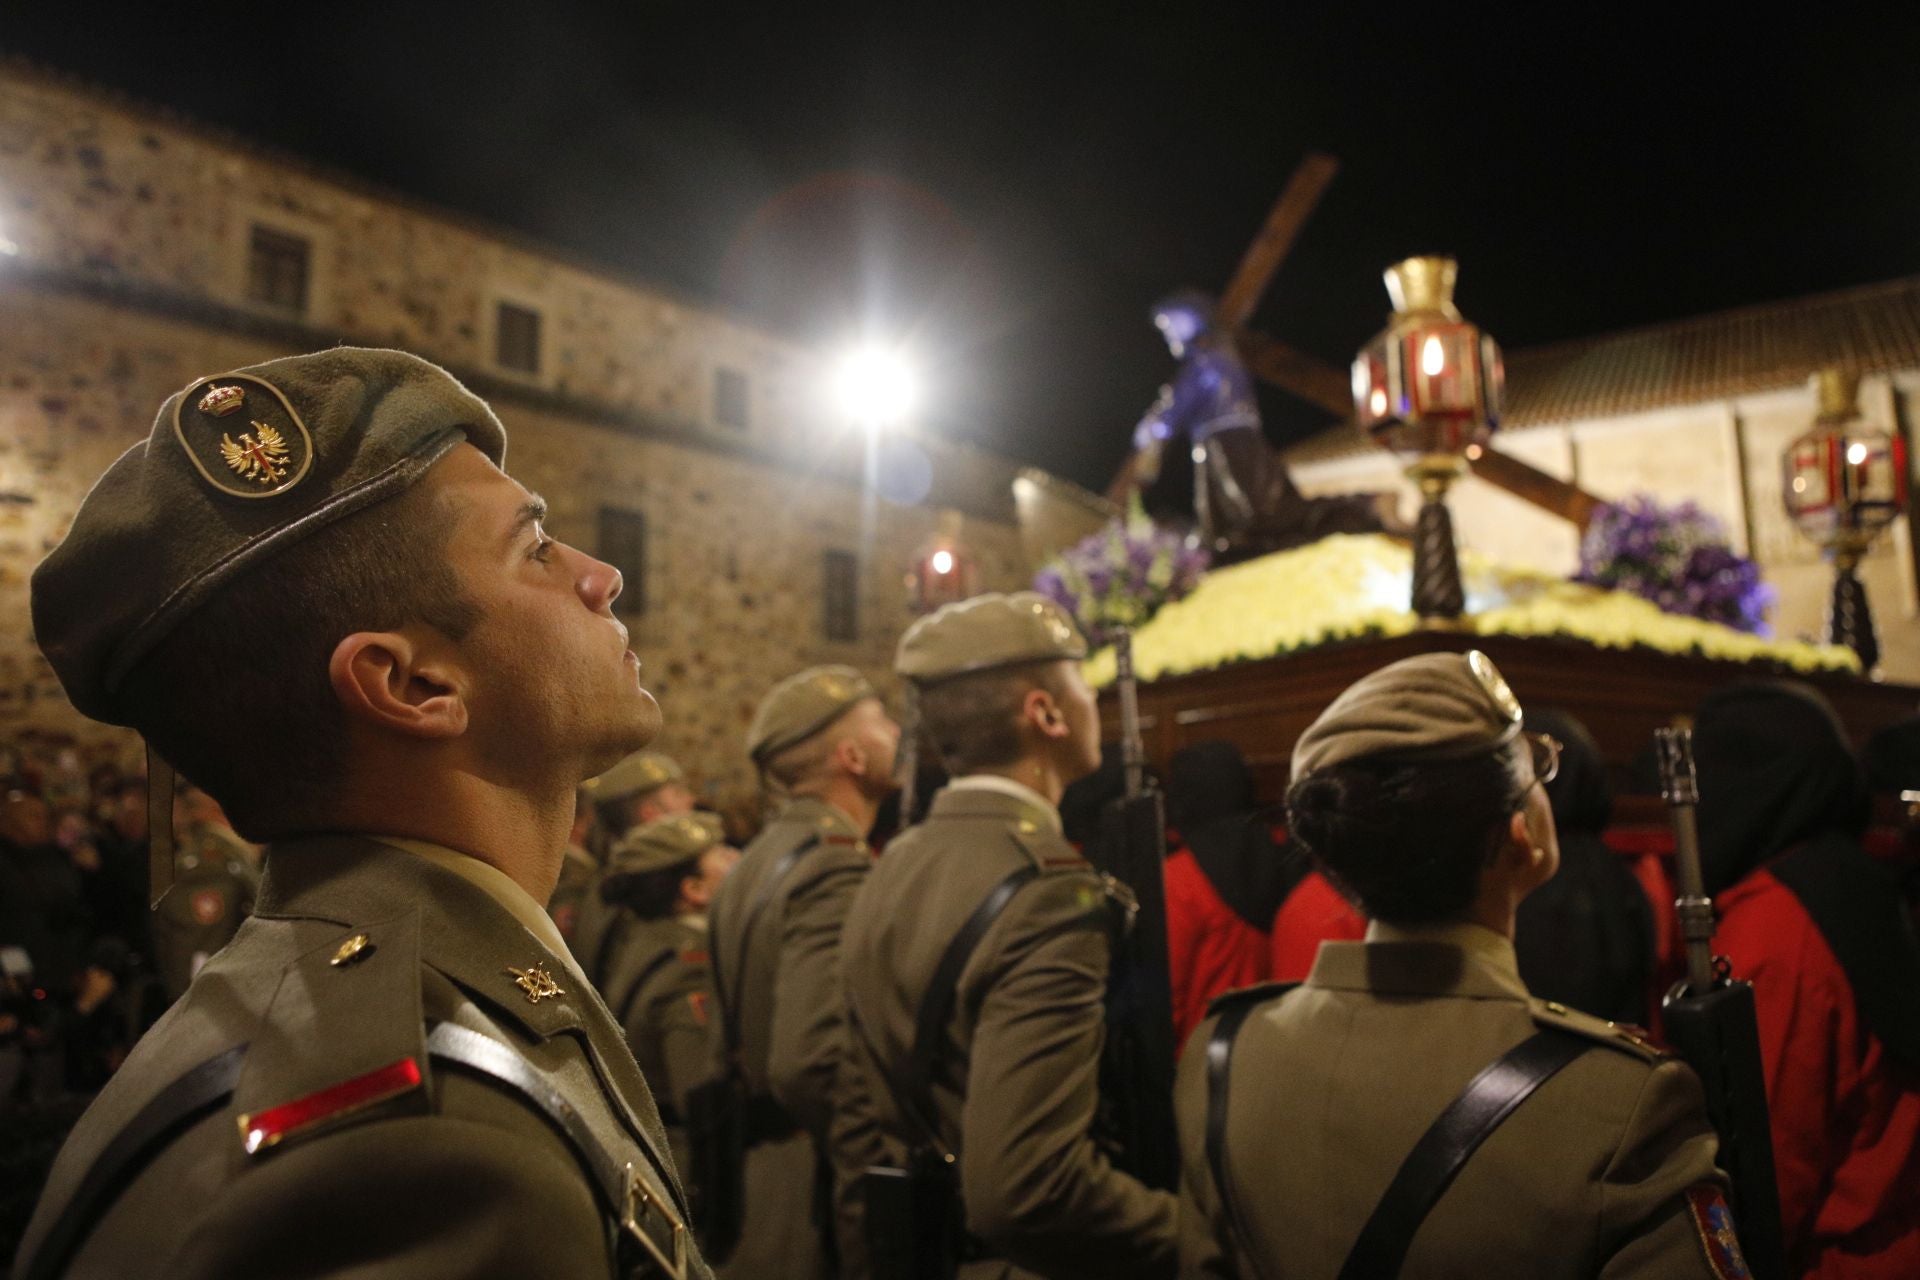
[693, 957]
[264, 1129]
[1065, 860]
[698, 1001]
[1713, 1220]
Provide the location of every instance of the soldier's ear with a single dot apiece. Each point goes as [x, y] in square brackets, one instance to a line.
[1039, 709]
[386, 680]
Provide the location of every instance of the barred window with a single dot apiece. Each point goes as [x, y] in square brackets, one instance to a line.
[730, 408]
[516, 338]
[277, 269]
[623, 544]
[840, 597]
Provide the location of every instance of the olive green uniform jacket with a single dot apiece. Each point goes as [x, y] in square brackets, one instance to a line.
[213, 891]
[1016, 1097]
[660, 988]
[786, 998]
[406, 1096]
[1331, 1084]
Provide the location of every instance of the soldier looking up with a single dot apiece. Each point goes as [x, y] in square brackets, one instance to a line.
[665, 874]
[823, 740]
[351, 628]
[1300, 1107]
[1011, 1079]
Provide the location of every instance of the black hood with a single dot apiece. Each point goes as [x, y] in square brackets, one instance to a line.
[1210, 803]
[1775, 771]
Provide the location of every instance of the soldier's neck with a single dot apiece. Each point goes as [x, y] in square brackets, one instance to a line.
[846, 795]
[521, 834]
[1037, 773]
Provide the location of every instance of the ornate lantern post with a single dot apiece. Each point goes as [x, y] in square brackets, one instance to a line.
[1428, 387]
[1844, 482]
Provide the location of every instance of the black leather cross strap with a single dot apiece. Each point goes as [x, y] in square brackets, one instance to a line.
[1443, 1150]
[191, 1096]
[643, 1211]
[730, 1008]
[936, 1004]
[1219, 1078]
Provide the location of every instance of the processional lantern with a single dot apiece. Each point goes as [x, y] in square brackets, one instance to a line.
[1428, 388]
[1845, 481]
[944, 572]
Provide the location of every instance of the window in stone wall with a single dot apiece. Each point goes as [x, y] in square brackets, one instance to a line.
[277, 269]
[840, 597]
[730, 398]
[623, 544]
[516, 338]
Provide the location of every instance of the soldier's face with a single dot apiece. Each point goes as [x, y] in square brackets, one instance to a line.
[1082, 711]
[877, 736]
[549, 663]
[668, 800]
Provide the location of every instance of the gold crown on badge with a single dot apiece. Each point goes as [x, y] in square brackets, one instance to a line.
[221, 401]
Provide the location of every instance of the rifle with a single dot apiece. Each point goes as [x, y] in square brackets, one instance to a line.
[1710, 1019]
[1138, 1059]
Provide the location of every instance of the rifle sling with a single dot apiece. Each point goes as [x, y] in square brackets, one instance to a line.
[730, 1008]
[1443, 1150]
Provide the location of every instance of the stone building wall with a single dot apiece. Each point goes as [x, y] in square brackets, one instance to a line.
[1724, 455]
[123, 259]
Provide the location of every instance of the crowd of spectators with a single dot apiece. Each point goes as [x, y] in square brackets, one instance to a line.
[80, 974]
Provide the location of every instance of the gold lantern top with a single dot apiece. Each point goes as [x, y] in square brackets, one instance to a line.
[1428, 386]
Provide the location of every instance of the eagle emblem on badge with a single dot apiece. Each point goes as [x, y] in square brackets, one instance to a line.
[260, 455]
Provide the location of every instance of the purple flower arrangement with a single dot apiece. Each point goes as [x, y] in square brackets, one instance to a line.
[1122, 575]
[1677, 557]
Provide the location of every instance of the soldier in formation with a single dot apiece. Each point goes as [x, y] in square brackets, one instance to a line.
[313, 589]
[1410, 1108]
[643, 788]
[976, 958]
[658, 984]
[824, 741]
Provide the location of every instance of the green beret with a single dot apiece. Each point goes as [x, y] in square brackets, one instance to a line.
[987, 632]
[801, 706]
[665, 842]
[237, 469]
[1438, 706]
[636, 775]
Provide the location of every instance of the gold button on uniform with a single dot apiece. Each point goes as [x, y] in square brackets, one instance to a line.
[354, 948]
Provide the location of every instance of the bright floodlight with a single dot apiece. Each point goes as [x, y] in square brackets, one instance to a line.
[943, 562]
[875, 386]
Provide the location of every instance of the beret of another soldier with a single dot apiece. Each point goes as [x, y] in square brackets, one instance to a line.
[1438, 706]
[986, 633]
[665, 842]
[636, 775]
[237, 469]
[801, 706]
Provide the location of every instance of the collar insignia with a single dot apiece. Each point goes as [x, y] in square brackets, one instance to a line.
[536, 982]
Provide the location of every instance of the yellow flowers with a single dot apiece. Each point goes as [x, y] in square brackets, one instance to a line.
[1353, 585]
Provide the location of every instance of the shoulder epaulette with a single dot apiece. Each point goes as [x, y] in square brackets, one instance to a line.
[1258, 993]
[1627, 1039]
[366, 980]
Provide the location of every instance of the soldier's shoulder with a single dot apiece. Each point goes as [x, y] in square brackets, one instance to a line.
[1049, 850]
[1634, 1042]
[1248, 998]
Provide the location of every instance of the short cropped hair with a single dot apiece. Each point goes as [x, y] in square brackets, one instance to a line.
[974, 721]
[238, 697]
[1407, 842]
[651, 895]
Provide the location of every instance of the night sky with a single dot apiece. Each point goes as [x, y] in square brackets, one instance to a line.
[1009, 190]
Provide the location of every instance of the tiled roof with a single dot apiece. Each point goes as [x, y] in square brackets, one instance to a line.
[1870, 329]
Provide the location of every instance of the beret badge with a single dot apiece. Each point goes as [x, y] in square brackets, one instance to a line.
[268, 456]
[221, 401]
